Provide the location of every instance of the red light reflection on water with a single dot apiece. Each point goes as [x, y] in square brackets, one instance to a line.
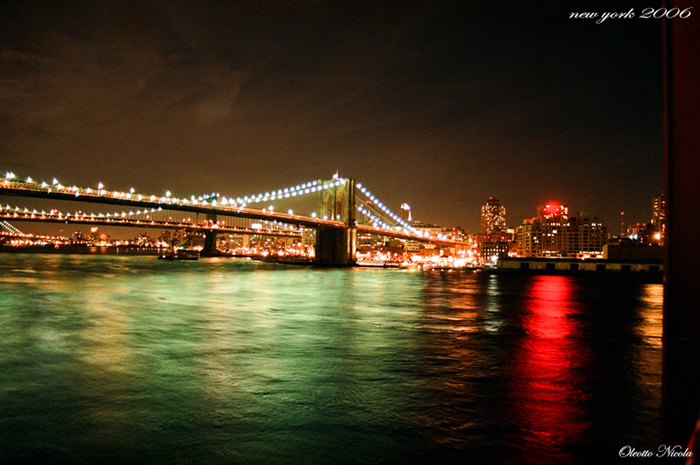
[547, 396]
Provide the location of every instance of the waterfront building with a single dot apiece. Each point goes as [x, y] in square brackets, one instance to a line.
[493, 217]
[554, 234]
[95, 235]
[455, 234]
[412, 246]
[539, 237]
[78, 239]
[493, 251]
[589, 236]
[366, 242]
[641, 232]
[428, 229]
[308, 237]
[493, 239]
[658, 219]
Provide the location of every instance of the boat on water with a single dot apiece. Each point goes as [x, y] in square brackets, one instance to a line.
[183, 254]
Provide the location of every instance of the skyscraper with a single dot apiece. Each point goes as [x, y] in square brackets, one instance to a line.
[406, 212]
[659, 212]
[493, 217]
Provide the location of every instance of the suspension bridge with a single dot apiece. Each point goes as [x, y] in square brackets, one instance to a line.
[344, 209]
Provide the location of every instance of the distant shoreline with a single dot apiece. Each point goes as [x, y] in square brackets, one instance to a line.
[84, 250]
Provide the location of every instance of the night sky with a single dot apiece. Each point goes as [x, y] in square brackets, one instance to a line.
[438, 104]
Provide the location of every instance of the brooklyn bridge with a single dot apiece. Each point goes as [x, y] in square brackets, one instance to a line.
[344, 208]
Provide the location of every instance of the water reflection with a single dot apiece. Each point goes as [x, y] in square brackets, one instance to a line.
[547, 391]
[453, 375]
[650, 314]
[126, 359]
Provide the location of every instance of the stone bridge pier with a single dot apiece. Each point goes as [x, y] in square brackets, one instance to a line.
[336, 246]
[210, 249]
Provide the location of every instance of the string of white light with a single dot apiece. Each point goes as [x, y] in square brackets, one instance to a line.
[378, 213]
[406, 227]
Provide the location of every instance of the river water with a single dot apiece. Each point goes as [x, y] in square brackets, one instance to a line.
[112, 359]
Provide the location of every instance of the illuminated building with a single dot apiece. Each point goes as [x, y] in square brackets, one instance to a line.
[652, 232]
[412, 246]
[641, 232]
[454, 234]
[95, 234]
[493, 217]
[554, 234]
[406, 212]
[492, 251]
[79, 239]
[553, 211]
[589, 236]
[428, 229]
[368, 242]
[658, 219]
[492, 241]
[308, 237]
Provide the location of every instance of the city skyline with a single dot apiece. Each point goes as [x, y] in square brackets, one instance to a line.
[492, 214]
[438, 105]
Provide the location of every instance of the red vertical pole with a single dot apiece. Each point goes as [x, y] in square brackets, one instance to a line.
[681, 338]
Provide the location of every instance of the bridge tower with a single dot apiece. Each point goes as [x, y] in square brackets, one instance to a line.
[209, 249]
[336, 246]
